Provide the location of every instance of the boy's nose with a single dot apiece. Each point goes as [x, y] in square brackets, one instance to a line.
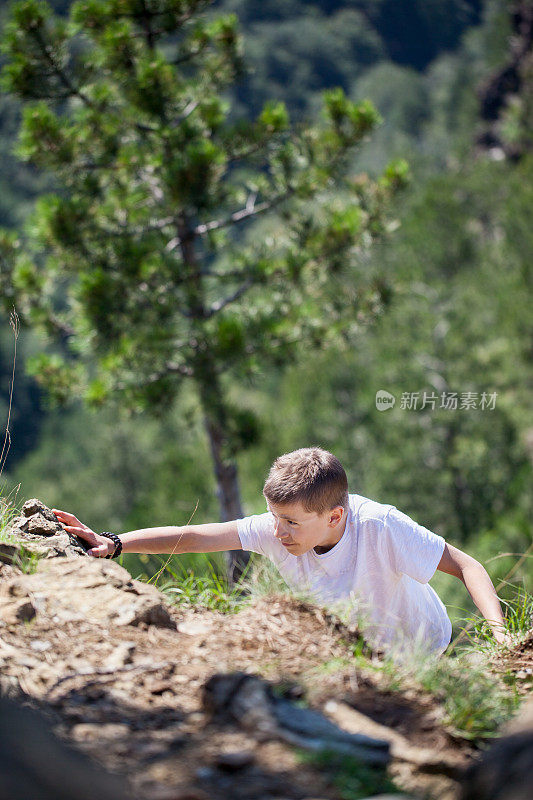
[278, 532]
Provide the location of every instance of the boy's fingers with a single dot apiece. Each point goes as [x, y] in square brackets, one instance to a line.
[99, 551]
[84, 533]
[66, 516]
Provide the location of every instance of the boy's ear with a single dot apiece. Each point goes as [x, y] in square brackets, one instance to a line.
[335, 515]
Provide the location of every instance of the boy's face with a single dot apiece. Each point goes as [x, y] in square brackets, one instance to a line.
[300, 530]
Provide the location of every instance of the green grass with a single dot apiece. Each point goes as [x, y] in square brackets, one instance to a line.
[518, 614]
[352, 778]
[209, 587]
[209, 591]
[23, 559]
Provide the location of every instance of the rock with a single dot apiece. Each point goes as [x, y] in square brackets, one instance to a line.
[13, 612]
[63, 590]
[195, 627]
[147, 610]
[8, 571]
[89, 731]
[39, 525]
[39, 531]
[35, 506]
[8, 553]
[40, 646]
[505, 770]
[121, 655]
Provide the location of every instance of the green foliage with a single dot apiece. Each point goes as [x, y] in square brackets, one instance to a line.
[125, 265]
[58, 375]
[352, 778]
[23, 559]
[518, 612]
[183, 588]
[192, 166]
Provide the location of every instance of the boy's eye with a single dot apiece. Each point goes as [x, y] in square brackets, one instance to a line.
[291, 522]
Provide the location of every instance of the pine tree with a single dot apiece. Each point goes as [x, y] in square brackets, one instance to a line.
[181, 243]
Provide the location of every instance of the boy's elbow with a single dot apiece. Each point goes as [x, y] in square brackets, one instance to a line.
[473, 567]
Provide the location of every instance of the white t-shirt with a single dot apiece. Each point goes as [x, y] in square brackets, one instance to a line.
[378, 572]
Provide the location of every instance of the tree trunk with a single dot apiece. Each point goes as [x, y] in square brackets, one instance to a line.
[211, 398]
[217, 428]
[228, 496]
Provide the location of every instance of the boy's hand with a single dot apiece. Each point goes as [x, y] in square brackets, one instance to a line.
[101, 546]
[503, 637]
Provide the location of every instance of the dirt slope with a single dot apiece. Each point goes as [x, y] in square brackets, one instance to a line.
[122, 672]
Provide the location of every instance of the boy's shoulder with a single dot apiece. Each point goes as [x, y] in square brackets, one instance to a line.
[364, 508]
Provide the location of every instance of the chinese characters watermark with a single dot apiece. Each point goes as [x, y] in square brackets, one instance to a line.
[449, 401]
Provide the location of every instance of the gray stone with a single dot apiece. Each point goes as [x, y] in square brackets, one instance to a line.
[34, 506]
[65, 592]
[39, 525]
[39, 531]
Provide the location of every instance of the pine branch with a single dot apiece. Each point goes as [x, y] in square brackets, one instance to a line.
[250, 210]
[72, 90]
[187, 111]
[220, 304]
[56, 69]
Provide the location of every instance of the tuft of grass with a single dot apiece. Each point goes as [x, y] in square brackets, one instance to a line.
[476, 702]
[518, 613]
[210, 588]
[24, 559]
[352, 778]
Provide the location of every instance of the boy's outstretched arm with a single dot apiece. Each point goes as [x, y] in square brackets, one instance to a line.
[209, 538]
[476, 579]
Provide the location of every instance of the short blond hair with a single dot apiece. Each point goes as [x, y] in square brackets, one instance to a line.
[311, 476]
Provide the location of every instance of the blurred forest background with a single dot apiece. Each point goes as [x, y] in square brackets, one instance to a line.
[455, 311]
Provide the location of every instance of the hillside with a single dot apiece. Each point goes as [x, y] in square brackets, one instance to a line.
[164, 695]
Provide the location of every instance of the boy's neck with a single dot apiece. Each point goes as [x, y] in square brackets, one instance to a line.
[337, 535]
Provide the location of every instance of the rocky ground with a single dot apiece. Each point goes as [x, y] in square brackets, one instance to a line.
[165, 696]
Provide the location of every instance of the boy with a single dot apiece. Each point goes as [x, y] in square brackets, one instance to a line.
[345, 550]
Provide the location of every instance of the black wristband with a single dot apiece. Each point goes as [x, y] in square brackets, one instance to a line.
[118, 544]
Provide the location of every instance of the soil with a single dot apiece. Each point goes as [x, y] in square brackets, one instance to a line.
[127, 687]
